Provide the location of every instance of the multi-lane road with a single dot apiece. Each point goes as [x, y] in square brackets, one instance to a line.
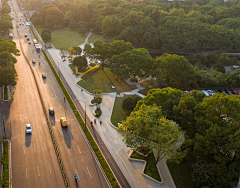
[34, 162]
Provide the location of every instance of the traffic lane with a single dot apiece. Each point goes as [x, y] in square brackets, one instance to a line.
[66, 133]
[33, 101]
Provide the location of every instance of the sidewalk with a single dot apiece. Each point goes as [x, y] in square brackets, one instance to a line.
[110, 136]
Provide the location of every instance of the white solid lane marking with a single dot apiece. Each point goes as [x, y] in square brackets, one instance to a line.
[49, 168]
[79, 149]
[38, 171]
[69, 152]
[34, 148]
[44, 146]
[89, 172]
[23, 150]
[26, 174]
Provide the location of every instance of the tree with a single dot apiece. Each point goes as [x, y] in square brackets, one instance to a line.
[119, 46]
[82, 30]
[80, 62]
[130, 102]
[147, 128]
[165, 98]
[78, 50]
[48, 25]
[73, 25]
[136, 62]
[212, 59]
[71, 51]
[9, 46]
[46, 31]
[8, 76]
[174, 71]
[202, 174]
[219, 67]
[110, 26]
[54, 16]
[6, 59]
[46, 37]
[234, 76]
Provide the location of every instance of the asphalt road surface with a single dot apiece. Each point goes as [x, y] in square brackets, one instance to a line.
[33, 157]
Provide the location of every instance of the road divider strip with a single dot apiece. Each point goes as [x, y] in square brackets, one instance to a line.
[5, 163]
[48, 123]
[101, 159]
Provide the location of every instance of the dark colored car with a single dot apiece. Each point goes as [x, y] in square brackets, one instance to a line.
[51, 111]
[228, 91]
[234, 91]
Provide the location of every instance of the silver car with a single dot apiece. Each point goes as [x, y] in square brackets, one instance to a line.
[28, 129]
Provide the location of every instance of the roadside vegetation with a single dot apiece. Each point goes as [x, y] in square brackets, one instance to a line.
[5, 93]
[94, 37]
[5, 163]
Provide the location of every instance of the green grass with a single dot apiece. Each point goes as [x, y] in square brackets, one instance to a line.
[64, 37]
[181, 173]
[92, 38]
[73, 69]
[5, 93]
[151, 170]
[103, 80]
[118, 114]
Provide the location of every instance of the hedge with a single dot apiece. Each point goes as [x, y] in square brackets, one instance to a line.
[5, 162]
[94, 146]
[5, 93]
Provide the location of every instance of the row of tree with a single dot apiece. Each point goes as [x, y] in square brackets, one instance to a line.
[6, 20]
[209, 126]
[173, 26]
[176, 71]
[8, 74]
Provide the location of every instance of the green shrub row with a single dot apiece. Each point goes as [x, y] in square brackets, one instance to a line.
[5, 162]
[94, 146]
[31, 29]
[49, 125]
[5, 93]
[85, 76]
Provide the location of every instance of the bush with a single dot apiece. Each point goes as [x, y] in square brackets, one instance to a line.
[129, 103]
[133, 79]
[96, 100]
[92, 64]
[46, 37]
[98, 112]
[5, 161]
[82, 30]
[45, 31]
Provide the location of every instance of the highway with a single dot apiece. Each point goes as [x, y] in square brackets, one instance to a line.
[34, 161]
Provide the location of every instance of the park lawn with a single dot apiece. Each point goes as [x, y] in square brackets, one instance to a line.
[92, 38]
[73, 69]
[151, 170]
[118, 114]
[64, 37]
[181, 173]
[103, 80]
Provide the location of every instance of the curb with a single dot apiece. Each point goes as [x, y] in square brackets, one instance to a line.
[144, 166]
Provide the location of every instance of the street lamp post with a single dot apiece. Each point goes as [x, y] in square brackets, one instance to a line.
[85, 111]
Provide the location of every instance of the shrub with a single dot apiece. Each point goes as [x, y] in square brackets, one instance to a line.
[92, 64]
[98, 112]
[96, 100]
[5, 161]
[46, 37]
[133, 79]
[82, 30]
[129, 103]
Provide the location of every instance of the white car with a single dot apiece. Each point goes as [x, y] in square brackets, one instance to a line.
[28, 129]
[210, 92]
[206, 93]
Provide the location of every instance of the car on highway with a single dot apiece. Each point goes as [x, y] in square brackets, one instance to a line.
[234, 91]
[25, 35]
[51, 111]
[33, 61]
[28, 129]
[63, 122]
[29, 42]
[44, 75]
[27, 38]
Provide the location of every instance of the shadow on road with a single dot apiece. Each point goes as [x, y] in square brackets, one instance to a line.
[76, 184]
[67, 135]
[34, 64]
[52, 119]
[44, 80]
[28, 139]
